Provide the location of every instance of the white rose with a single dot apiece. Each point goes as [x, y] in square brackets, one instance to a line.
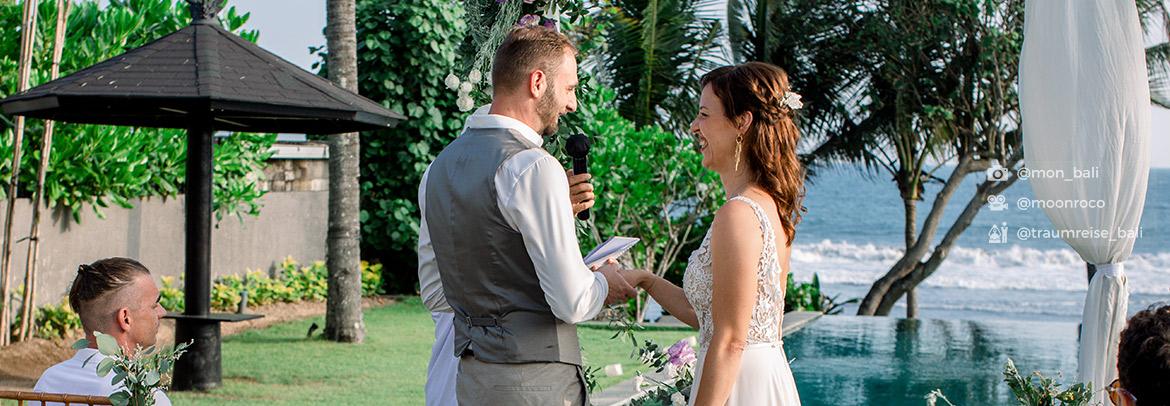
[638, 380]
[677, 399]
[465, 87]
[465, 103]
[451, 81]
[475, 76]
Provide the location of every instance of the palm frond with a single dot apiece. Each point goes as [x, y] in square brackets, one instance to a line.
[1158, 68]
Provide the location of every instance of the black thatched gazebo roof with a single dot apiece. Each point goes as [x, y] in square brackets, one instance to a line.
[202, 71]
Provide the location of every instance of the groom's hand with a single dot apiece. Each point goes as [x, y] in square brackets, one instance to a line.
[619, 289]
[580, 191]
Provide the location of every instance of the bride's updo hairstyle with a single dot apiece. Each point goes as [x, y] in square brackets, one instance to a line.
[769, 145]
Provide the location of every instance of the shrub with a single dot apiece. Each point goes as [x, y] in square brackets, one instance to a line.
[98, 165]
[293, 283]
[59, 321]
[372, 279]
[171, 297]
[807, 296]
[405, 50]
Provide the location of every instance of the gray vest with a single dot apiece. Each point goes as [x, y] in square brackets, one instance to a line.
[501, 315]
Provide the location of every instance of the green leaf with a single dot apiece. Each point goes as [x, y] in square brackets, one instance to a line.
[82, 343]
[103, 367]
[107, 345]
[118, 377]
[152, 378]
[120, 398]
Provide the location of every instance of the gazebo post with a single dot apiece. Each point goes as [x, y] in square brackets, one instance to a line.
[200, 368]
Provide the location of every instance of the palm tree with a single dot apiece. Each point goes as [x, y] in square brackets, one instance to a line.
[655, 52]
[343, 308]
[897, 85]
[1156, 23]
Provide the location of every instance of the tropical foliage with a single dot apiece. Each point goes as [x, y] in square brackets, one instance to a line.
[99, 165]
[909, 88]
[807, 296]
[1155, 18]
[905, 87]
[292, 283]
[405, 50]
[653, 56]
[649, 184]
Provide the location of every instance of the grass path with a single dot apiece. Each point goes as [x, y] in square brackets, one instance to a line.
[278, 366]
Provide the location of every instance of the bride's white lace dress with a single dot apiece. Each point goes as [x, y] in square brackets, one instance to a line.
[764, 377]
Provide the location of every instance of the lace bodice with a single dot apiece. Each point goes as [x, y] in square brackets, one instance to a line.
[769, 307]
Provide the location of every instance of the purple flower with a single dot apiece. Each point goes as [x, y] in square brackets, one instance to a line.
[681, 353]
[500, 1]
[529, 20]
[550, 24]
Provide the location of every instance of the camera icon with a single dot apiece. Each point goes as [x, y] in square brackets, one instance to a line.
[997, 173]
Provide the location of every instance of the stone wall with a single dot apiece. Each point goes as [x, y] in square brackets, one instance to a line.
[293, 222]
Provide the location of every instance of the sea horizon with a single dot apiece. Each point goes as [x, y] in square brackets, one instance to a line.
[853, 233]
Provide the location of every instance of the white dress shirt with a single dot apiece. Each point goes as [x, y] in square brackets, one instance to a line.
[533, 195]
[71, 378]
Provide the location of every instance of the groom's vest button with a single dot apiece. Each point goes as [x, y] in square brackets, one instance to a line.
[483, 322]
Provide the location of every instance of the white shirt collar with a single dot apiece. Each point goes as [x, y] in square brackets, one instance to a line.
[481, 119]
[86, 352]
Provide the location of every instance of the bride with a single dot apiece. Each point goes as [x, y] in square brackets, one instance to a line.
[733, 289]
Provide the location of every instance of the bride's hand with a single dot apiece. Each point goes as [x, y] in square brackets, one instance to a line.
[637, 277]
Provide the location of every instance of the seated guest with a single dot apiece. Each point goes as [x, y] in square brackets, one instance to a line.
[1143, 360]
[114, 296]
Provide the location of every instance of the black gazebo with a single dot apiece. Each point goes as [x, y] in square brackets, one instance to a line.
[204, 79]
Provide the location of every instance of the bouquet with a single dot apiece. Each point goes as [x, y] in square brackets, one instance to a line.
[140, 373]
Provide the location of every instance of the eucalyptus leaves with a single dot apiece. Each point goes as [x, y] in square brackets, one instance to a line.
[140, 373]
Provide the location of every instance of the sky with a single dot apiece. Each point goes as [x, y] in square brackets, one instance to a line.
[289, 27]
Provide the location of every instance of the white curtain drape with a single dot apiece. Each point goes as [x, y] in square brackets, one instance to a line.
[1085, 105]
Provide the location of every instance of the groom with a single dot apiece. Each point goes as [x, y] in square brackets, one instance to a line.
[496, 210]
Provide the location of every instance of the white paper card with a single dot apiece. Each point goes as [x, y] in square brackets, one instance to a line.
[610, 249]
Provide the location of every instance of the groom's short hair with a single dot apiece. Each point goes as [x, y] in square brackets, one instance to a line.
[526, 49]
[1143, 356]
[95, 285]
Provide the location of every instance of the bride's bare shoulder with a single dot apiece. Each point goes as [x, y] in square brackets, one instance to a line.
[736, 221]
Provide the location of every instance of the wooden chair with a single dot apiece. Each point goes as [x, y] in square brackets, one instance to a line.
[38, 398]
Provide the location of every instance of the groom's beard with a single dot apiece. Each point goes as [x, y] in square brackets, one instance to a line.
[548, 112]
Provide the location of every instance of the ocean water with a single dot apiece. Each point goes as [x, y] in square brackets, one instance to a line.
[852, 234]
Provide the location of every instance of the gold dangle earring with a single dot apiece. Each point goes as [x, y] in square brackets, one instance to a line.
[738, 145]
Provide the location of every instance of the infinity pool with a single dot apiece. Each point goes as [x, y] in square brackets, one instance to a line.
[850, 360]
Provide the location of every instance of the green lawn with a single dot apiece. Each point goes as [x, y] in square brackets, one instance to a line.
[277, 366]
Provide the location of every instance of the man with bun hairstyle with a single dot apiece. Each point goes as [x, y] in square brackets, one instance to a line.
[116, 297]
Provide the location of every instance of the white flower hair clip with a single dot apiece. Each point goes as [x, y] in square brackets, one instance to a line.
[792, 100]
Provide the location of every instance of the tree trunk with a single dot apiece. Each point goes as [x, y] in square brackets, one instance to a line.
[343, 306]
[876, 301]
[910, 206]
[940, 253]
[24, 71]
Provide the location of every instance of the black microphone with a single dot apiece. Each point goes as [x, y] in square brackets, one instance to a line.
[578, 147]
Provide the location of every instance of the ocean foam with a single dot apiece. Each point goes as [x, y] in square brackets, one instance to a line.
[1015, 268]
